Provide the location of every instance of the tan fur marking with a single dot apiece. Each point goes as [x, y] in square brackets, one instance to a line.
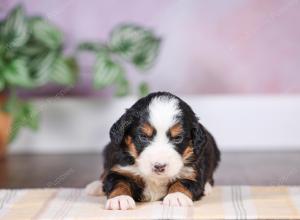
[131, 147]
[121, 188]
[147, 129]
[178, 187]
[176, 130]
[187, 153]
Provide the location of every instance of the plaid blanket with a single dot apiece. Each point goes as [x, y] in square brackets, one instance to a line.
[230, 202]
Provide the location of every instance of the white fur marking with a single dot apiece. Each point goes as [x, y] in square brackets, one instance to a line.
[158, 152]
[133, 169]
[94, 188]
[177, 199]
[163, 112]
[207, 188]
[120, 203]
[155, 189]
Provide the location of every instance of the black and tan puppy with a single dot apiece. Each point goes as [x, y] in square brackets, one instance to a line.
[158, 151]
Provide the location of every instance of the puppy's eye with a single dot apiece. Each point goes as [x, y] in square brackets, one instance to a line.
[177, 139]
[143, 138]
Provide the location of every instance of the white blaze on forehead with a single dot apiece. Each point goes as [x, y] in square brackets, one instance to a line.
[163, 111]
[163, 114]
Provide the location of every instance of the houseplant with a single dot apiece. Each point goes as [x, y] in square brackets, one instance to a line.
[127, 44]
[31, 55]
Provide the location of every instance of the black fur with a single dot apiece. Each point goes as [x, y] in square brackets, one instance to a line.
[206, 154]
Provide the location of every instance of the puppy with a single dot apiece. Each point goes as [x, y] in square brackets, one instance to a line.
[158, 151]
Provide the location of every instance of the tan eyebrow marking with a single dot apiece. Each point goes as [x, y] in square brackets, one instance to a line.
[176, 130]
[147, 129]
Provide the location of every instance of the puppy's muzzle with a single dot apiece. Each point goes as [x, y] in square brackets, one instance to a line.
[159, 167]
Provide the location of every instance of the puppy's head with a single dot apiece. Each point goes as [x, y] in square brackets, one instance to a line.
[161, 133]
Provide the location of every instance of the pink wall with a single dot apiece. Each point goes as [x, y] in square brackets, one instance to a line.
[247, 46]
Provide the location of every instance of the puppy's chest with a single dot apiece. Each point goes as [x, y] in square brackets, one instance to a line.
[155, 190]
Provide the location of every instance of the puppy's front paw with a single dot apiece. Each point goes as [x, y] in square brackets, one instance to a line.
[177, 199]
[120, 203]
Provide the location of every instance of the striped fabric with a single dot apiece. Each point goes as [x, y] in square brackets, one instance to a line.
[230, 202]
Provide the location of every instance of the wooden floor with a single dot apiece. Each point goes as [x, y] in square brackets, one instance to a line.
[31, 171]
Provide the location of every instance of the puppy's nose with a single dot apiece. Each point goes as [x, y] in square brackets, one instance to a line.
[159, 167]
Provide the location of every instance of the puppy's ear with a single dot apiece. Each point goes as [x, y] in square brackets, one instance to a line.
[199, 137]
[117, 131]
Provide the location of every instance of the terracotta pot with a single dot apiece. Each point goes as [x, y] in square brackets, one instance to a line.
[5, 127]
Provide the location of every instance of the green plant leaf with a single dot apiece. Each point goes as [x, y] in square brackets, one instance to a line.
[2, 48]
[15, 129]
[106, 71]
[33, 49]
[42, 67]
[46, 33]
[147, 53]
[29, 116]
[65, 71]
[90, 46]
[17, 74]
[26, 116]
[73, 65]
[136, 44]
[23, 114]
[2, 83]
[143, 89]
[2, 79]
[125, 37]
[14, 31]
[122, 87]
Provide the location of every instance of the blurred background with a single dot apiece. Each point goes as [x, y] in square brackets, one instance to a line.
[208, 47]
[71, 72]
[237, 62]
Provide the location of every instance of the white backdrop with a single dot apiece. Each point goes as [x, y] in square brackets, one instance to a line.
[244, 123]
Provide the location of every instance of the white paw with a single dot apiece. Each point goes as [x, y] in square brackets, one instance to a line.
[177, 199]
[207, 188]
[94, 188]
[120, 203]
